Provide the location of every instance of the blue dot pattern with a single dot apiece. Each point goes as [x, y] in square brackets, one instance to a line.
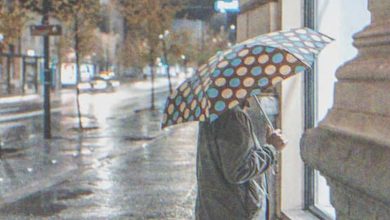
[197, 111]
[213, 117]
[178, 100]
[212, 93]
[190, 98]
[201, 94]
[256, 92]
[263, 82]
[270, 49]
[216, 73]
[267, 57]
[299, 69]
[228, 72]
[258, 50]
[220, 106]
[236, 62]
[256, 71]
[231, 56]
[235, 82]
[277, 58]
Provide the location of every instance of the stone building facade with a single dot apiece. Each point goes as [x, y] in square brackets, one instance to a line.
[351, 146]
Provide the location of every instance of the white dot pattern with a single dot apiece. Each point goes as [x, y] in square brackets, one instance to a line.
[231, 76]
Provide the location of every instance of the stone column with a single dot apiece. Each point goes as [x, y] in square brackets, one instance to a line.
[351, 146]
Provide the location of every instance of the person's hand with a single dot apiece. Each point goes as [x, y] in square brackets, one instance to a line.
[275, 138]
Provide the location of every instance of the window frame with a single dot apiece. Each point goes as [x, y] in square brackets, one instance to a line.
[310, 99]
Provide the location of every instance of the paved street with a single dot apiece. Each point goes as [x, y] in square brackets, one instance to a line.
[122, 166]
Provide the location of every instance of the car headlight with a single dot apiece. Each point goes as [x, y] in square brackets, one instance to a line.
[115, 83]
[100, 84]
[83, 86]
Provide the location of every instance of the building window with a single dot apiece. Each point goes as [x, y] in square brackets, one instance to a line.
[340, 20]
[322, 196]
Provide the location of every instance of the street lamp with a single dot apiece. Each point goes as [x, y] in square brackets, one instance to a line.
[184, 58]
[30, 52]
[232, 33]
[1, 42]
[165, 54]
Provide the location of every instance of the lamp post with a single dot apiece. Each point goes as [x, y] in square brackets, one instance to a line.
[165, 55]
[1, 42]
[232, 33]
[47, 80]
[184, 58]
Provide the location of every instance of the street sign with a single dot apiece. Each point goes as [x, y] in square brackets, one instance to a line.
[45, 30]
[225, 6]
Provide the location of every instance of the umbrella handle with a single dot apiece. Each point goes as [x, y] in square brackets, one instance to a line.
[263, 113]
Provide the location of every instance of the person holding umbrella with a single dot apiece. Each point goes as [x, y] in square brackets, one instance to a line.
[229, 154]
[229, 161]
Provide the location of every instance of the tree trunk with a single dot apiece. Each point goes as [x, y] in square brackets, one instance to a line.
[59, 63]
[10, 68]
[76, 48]
[151, 66]
[165, 53]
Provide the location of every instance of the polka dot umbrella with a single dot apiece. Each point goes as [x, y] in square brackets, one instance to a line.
[246, 69]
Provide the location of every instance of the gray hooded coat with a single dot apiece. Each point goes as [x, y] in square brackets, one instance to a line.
[228, 162]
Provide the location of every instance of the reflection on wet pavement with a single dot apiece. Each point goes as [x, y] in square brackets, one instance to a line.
[127, 168]
[152, 181]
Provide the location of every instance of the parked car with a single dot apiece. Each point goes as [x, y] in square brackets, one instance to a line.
[98, 83]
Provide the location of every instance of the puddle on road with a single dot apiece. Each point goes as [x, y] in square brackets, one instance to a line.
[38, 205]
[9, 153]
[139, 138]
[65, 194]
[44, 204]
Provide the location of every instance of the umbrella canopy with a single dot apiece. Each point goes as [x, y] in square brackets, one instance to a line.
[246, 69]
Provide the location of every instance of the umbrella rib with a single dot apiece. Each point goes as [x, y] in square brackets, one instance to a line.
[263, 113]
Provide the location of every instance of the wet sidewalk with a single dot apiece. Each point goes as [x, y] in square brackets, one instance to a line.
[121, 167]
[118, 179]
[25, 171]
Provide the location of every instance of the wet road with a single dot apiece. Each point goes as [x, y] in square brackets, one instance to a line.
[128, 167]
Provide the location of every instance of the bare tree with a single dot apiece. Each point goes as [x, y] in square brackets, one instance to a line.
[147, 19]
[133, 54]
[81, 17]
[13, 17]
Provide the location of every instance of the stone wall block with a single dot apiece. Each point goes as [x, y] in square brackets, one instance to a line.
[343, 217]
[380, 10]
[338, 198]
[383, 212]
[367, 96]
[360, 167]
[356, 205]
[360, 124]
[366, 68]
[351, 146]
[362, 208]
